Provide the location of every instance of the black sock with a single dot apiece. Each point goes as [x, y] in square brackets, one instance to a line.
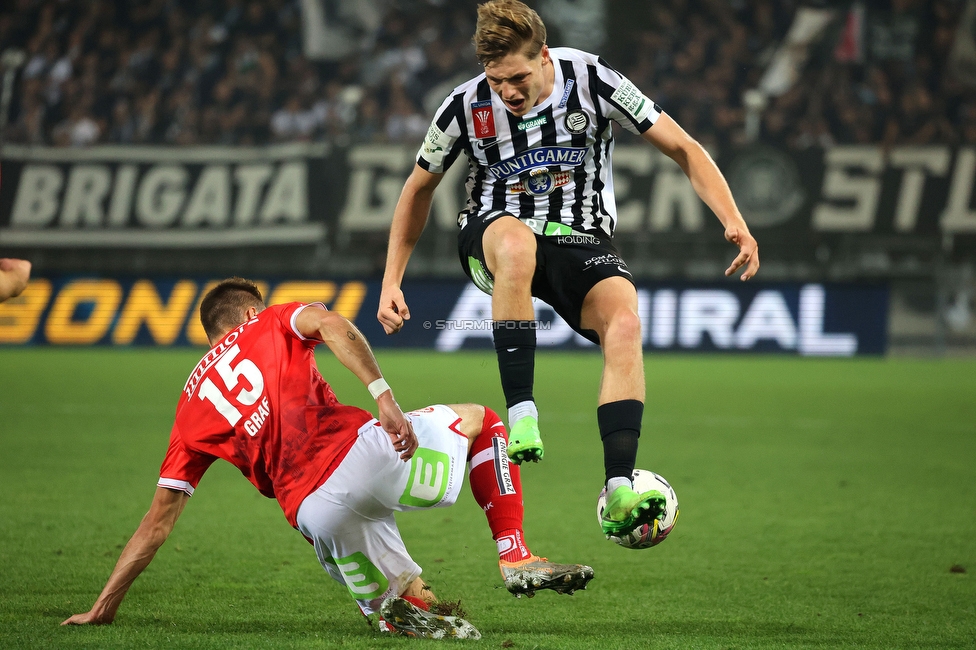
[620, 424]
[515, 347]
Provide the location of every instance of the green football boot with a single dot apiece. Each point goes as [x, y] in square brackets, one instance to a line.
[626, 510]
[524, 441]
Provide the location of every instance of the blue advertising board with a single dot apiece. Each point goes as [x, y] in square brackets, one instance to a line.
[449, 315]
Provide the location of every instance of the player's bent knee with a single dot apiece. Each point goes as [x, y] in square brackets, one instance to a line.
[511, 252]
[472, 418]
[516, 246]
[624, 327]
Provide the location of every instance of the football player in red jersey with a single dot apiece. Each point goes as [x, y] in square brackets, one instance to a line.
[257, 400]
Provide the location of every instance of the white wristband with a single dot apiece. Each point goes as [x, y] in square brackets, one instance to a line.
[378, 387]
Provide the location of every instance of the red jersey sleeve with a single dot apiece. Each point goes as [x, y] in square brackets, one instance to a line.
[288, 318]
[182, 468]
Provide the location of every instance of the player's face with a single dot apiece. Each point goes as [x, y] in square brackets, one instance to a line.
[521, 82]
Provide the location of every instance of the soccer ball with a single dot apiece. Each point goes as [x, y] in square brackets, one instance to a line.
[652, 534]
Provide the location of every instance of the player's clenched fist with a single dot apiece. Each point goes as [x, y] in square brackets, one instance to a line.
[14, 275]
[393, 310]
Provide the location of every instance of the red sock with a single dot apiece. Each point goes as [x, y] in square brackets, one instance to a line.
[419, 602]
[497, 487]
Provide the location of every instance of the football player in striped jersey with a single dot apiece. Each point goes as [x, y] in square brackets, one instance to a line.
[536, 130]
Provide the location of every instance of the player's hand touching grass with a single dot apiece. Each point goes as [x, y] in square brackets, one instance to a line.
[153, 530]
[748, 252]
[397, 426]
[89, 618]
[393, 311]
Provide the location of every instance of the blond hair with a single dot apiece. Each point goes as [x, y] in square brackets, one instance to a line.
[507, 27]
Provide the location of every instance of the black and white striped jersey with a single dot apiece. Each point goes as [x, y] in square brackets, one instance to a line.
[551, 165]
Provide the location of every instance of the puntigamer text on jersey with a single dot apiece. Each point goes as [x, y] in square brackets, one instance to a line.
[541, 157]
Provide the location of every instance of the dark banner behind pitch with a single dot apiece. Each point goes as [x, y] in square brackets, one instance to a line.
[800, 319]
[162, 197]
[309, 195]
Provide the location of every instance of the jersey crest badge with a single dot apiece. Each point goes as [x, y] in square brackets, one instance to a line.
[483, 118]
[577, 121]
[540, 182]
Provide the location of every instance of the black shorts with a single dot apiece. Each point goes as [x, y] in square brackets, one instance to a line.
[567, 265]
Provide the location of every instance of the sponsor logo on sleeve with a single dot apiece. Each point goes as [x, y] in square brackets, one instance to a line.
[632, 100]
[483, 118]
[436, 145]
[566, 91]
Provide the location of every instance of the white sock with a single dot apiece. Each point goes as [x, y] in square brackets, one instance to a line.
[617, 481]
[522, 409]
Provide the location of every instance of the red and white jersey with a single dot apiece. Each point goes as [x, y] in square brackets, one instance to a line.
[257, 400]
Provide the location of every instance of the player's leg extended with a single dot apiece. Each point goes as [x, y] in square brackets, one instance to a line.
[610, 309]
[411, 615]
[497, 488]
[363, 552]
[510, 252]
[349, 520]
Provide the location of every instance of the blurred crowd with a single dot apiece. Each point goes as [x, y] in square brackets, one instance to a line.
[222, 72]
[899, 89]
[235, 71]
[889, 82]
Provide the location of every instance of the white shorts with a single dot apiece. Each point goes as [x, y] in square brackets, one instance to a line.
[350, 517]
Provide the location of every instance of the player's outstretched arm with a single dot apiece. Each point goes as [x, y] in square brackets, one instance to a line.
[710, 185]
[14, 275]
[352, 350]
[409, 219]
[136, 556]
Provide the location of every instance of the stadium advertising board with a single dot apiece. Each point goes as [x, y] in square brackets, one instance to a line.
[858, 189]
[906, 191]
[807, 319]
[193, 197]
[102, 311]
[161, 197]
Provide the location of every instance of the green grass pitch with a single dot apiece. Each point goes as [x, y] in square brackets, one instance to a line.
[824, 503]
